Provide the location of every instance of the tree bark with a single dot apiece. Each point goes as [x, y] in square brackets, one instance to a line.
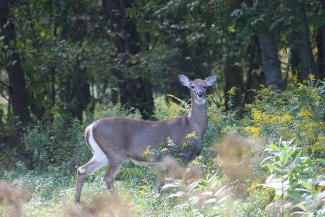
[270, 59]
[320, 40]
[134, 91]
[255, 76]
[76, 95]
[17, 85]
[307, 63]
[81, 91]
[269, 52]
[17, 82]
[321, 52]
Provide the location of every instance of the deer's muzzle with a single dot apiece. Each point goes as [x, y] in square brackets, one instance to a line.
[200, 94]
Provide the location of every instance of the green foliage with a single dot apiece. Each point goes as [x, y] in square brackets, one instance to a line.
[233, 176]
[296, 113]
[204, 196]
[165, 111]
[295, 178]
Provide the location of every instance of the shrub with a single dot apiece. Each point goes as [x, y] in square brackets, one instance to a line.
[295, 113]
[295, 179]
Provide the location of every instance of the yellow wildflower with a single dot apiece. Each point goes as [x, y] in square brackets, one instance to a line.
[320, 189]
[232, 91]
[256, 114]
[190, 135]
[304, 113]
[252, 186]
[270, 120]
[178, 159]
[195, 162]
[147, 152]
[165, 150]
[185, 144]
[254, 130]
[311, 77]
[285, 119]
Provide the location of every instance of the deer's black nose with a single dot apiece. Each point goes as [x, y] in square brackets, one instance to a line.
[200, 94]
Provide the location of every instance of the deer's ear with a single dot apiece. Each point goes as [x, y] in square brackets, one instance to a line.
[184, 80]
[211, 80]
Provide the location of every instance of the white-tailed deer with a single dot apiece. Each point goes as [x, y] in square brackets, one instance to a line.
[113, 140]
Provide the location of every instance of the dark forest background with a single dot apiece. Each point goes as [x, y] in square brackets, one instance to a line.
[62, 58]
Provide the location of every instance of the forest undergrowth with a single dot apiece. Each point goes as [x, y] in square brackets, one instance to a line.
[270, 163]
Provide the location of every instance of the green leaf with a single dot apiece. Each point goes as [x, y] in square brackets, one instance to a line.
[13, 62]
[307, 185]
[282, 157]
[171, 185]
[177, 194]
[269, 166]
[302, 207]
[295, 195]
[274, 147]
[275, 152]
[278, 168]
[266, 159]
[322, 162]
[12, 42]
[193, 185]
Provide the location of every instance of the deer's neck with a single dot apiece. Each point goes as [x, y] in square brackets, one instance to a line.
[198, 118]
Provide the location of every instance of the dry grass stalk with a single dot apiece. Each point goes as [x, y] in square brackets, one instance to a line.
[11, 198]
[176, 170]
[112, 205]
[235, 157]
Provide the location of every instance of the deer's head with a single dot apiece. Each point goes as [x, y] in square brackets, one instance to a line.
[197, 87]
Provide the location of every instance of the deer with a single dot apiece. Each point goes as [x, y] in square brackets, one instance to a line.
[113, 140]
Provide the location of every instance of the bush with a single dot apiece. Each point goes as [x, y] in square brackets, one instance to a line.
[295, 113]
[295, 179]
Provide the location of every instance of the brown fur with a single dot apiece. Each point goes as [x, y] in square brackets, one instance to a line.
[121, 138]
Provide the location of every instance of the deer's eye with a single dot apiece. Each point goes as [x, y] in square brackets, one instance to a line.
[193, 87]
[204, 87]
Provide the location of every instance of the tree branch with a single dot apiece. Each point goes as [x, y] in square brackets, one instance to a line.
[4, 84]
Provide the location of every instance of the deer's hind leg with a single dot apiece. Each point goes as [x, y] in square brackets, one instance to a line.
[98, 161]
[115, 161]
[92, 166]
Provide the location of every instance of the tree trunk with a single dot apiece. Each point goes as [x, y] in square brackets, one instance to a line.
[321, 52]
[76, 95]
[320, 40]
[17, 83]
[17, 91]
[81, 91]
[137, 93]
[270, 59]
[255, 77]
[306, 59]
[134, 90]
[269, 52]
